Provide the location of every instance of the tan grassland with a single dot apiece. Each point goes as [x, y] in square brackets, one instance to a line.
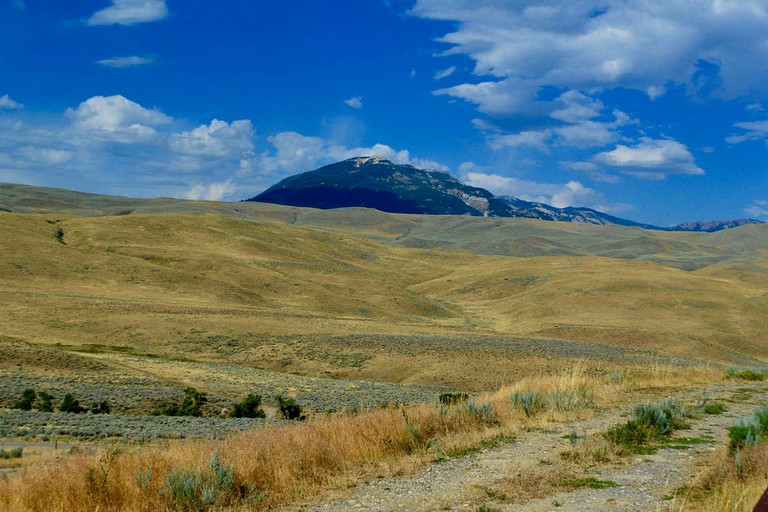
[175, 294]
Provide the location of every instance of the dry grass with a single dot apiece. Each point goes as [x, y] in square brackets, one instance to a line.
[148, 282]
[727, 485]
[296, 462]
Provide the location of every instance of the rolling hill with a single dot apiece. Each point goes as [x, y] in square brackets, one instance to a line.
[358, 293]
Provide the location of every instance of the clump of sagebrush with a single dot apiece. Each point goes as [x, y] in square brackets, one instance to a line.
[650, 422]
[748, 374]
[749, 432]
[198, 489]
[530, 402]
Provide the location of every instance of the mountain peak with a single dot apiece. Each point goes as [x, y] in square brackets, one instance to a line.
[360, 161]
[376, 182]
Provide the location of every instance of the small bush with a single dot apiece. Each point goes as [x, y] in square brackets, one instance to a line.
[202, 489]
[664, 417]
[46, 402]
[749, 432]
[28, 398]
[713, 409]
[752, 375]
[15, 453]
[649, 422]
[70, 404]
[191, 405]
[590, 482]
[453, 398]
[289, 408]
[100, 408]
[250, 407]
[483, 412]
[531, 402]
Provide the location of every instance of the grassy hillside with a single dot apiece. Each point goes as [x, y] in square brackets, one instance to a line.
[336, 293]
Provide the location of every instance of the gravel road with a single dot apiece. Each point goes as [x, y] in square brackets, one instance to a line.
[645, 483]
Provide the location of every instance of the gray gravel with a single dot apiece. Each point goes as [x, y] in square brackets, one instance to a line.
[646, 482]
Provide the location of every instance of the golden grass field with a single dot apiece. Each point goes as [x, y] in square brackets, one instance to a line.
[183, 293]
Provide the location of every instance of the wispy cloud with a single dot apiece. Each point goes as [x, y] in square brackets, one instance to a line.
[445, 73]
[126, 62]
[355, 102]
[758, 209]
[130, 12]
[750, 130]
[560, 195]
[6, 103]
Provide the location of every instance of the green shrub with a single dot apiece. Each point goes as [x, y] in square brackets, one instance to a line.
[590, 482]
[713, 408]
[46, 402]
[483, 412]
[631, 434]
[250, 407]
[650, 422]
[70, 404]
[453, 398]
[202, 489]
[734, 373]
[100, 408]
[289, 408]
[191, 405]
[664, 417]
[749, 432]
[531, 402]
[15, 453]
[28, 398]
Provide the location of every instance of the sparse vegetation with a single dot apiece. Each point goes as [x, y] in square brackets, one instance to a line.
[13, 453]
[752, 375]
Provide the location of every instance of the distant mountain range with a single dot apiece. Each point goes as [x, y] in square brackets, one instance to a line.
[375, 182]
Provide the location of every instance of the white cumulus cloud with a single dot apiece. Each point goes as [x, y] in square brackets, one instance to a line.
[634, 44]
[218, 138]
[651, 159]
[130, 12]
[116, 114]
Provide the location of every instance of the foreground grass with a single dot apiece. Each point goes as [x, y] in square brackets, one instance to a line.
[738, 475]
[270, 467]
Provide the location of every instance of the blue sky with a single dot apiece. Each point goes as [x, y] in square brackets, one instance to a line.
[652, 111]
